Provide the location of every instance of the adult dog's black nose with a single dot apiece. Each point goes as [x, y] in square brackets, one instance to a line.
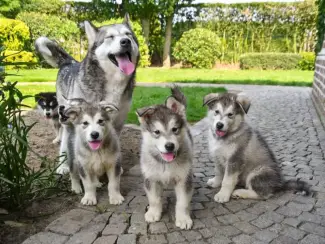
[94, 135]
[170, 147]
[125, 42]
[219, 125]
[48, 114]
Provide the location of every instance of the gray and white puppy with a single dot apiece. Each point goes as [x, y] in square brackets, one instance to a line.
[166, 156]
[105, 75]
[94, 150]
[47, 104]
[241, 154]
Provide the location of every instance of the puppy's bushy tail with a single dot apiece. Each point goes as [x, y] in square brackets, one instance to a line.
[299, 187]
[178, 95]
[53, 54]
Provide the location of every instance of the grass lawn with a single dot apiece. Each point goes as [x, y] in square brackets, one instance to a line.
[142, 97]
[258, 77]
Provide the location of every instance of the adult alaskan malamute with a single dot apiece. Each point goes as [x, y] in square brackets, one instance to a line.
[242, 156]
[105, 75]
[166, 156]
[94, 150]
[47, 104]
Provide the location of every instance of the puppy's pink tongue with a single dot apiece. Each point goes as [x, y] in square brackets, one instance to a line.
[94, 145]
[168, 156]
[125, 65]
[220, 133]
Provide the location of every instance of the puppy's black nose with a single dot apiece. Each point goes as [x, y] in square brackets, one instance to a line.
[219, 125]
[94, 135]
[125, 42]
[48, 114]
[170, 147]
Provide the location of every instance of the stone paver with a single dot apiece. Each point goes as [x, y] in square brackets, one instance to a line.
[285, 116]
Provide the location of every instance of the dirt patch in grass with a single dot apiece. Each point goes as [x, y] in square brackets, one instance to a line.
[36, 217]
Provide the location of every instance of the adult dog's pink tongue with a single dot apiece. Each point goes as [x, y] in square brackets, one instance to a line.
[168, 156]
[220, 133]
[94, 145]
[125, 64]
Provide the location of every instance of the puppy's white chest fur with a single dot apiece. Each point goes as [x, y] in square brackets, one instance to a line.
[165, 173]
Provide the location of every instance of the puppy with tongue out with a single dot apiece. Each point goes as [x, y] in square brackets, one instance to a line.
[166, 156]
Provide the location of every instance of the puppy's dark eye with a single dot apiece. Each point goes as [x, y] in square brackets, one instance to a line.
[157, 132]
[85, 123]
[230, 115]
[100, 121]
[217, 111]
[175, 130]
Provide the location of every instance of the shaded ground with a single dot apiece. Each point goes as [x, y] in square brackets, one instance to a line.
[40, 214]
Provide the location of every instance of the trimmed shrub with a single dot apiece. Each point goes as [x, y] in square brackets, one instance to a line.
[198, 47]
[13, 57]
[143, 47]
[64, 31]
[269, 61]
[14, 34]
[307, 61]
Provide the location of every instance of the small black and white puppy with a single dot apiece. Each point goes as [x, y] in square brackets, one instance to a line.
[48, 105]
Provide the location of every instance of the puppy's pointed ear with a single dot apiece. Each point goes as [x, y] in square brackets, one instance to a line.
[127, 20]
[109, 108]
[176, 106]
[91, 32]
[244, 102]
[210, 99]
[69, 114]
[144, 114]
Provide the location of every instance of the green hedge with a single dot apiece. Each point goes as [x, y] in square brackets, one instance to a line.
[137, 29]
[14, 34]
[270, 61]
[307, 61]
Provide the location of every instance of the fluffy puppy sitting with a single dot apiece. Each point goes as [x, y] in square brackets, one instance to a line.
[241, 155]
[94, 150]
[166, 156]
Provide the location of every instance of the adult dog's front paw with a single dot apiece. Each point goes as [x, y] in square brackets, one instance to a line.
[116, 199]
[222, 196]
[89, 200]
[214, 182]
[152, 215]
[184, 222]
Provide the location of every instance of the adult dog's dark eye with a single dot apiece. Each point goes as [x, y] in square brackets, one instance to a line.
[128, 34]
[109, 37]
[230, 115]
[217, 111]
[175, 130]
[85, 123]
[157, 132]
[100, 121]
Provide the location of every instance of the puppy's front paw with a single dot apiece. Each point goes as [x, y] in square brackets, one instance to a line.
[89, 200]
[222, 196]
[63, 169]
[152, 216]
[56, 140]
[76, 189]
[184, 222]
[214, 182]
[116, 199]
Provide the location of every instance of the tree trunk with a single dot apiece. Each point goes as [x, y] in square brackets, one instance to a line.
[146, 29]
[168, 41]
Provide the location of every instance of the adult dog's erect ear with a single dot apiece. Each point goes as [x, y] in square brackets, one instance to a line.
[210, 99]
[126, 20]
[91, 32]
[244, 102]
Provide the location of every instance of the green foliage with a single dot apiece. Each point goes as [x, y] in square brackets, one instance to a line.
[10, 8]
[64, 31]
[143, 48]
[307, 61]
[44, 6]
[198, 47]
[14, 34]
[269, 61]
[19, 184]
[320, 25]
[17, 58]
